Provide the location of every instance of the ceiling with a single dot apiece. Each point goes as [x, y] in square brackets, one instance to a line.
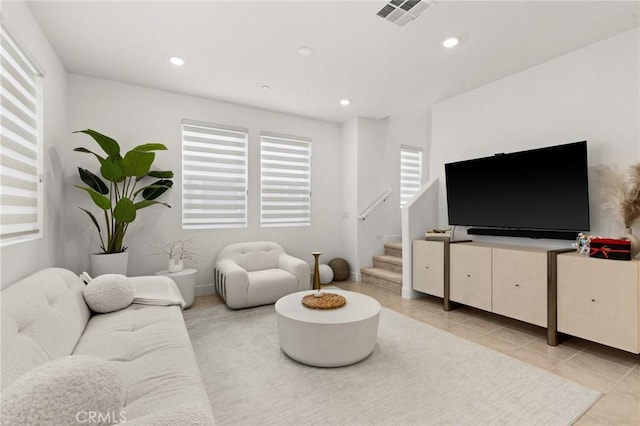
[233, 48]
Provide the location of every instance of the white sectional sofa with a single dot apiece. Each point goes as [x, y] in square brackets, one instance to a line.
[45, 317]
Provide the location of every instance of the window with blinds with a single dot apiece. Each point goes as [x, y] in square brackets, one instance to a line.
[410, 172]
[285, 180]
[21, 199]
[214, 176]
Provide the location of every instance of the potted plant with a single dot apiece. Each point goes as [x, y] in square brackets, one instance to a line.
[623, 193]
[120, 196]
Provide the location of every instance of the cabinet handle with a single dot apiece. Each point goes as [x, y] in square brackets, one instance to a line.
[468, 276]
[517, 285]
[426, 267]
[593, 300]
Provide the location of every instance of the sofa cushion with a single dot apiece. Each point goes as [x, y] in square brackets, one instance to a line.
[43, 317]
[151, 349]
[65, 392]
[269, 285]
[109, 293]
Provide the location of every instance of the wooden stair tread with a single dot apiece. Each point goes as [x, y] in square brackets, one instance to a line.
[388, 259]
[384, 274]
[397, 246]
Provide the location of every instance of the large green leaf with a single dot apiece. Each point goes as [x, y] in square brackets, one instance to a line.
[166, 174]
[93, 218]
[124, 211]
[147, 203]
[137, 163]
[100, 200]
[108, 145]
[111, 169]
[156, 189]
[93, 181]
[150, 147]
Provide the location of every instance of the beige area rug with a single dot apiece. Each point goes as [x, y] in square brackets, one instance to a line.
[417, 375]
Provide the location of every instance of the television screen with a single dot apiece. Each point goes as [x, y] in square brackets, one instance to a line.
[539, 189]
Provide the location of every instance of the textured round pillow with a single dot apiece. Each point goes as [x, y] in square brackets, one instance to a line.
[340, 269]
[326, 274]
[64, 392]
[108, 293]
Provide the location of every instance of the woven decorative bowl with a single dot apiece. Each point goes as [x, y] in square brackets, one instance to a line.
[325, 301]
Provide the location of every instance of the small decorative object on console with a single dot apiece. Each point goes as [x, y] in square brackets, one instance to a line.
[438, 234]
[610, 248]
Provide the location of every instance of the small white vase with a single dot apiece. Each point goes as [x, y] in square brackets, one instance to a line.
[175, 265]
[109, 263]
[635, 242]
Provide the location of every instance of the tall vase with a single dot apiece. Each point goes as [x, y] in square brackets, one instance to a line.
[635, 242]
[175, 264]
[316, 271]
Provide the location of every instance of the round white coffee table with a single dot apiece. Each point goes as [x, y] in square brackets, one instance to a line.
[328, 338]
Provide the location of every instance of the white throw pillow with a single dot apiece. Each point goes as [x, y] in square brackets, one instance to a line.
[66, 391]
[108, 293]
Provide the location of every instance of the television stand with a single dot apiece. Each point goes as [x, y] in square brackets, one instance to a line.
[525, 233]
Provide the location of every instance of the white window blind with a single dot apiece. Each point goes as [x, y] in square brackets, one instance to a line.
[214, 176]
[285, 180]
[21, 199]
[410, 172]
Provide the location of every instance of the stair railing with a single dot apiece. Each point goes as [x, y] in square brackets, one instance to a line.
[375, 205]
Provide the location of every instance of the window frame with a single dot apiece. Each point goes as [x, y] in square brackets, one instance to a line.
[224, 223]
[269, 137]
[38, 147]
[417, 152]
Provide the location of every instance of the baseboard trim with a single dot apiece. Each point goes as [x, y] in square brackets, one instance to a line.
[408, 293]
[205, 290]
[355, 276]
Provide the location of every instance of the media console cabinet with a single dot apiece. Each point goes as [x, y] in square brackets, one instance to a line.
[560, 290]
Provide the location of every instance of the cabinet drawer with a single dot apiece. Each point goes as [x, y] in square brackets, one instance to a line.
[428, 267]
[598, 300]
[520, 285]
[470, 276]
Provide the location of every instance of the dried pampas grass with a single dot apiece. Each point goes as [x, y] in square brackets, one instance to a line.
[622, 191]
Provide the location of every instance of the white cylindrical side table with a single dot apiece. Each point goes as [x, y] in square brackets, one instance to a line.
[186, 282]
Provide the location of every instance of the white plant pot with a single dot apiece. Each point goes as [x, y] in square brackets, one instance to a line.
[175, 265]
[112, 263]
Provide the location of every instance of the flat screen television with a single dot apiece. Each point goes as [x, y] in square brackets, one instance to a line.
[545, 189]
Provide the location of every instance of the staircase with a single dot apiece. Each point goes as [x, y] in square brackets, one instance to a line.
[387, 269]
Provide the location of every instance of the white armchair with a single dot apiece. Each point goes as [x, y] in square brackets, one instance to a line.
[258, 273]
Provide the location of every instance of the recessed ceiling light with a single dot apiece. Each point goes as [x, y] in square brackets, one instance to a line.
[344, 102]
[176, 61]
[450, 42]
[305, 51]
[265, 87]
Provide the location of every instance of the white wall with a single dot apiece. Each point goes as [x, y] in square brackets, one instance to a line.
[371, 165]
[134, 115]
[22, 259]
[349, 195]
[590, 94]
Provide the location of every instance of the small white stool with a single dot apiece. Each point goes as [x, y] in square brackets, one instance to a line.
[186, 282]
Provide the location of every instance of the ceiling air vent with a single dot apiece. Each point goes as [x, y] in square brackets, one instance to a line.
[401, 12]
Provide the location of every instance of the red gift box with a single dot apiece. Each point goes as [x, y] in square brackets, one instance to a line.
[610, 248]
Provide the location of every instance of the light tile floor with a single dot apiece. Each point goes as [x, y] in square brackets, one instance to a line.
[613, 372]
